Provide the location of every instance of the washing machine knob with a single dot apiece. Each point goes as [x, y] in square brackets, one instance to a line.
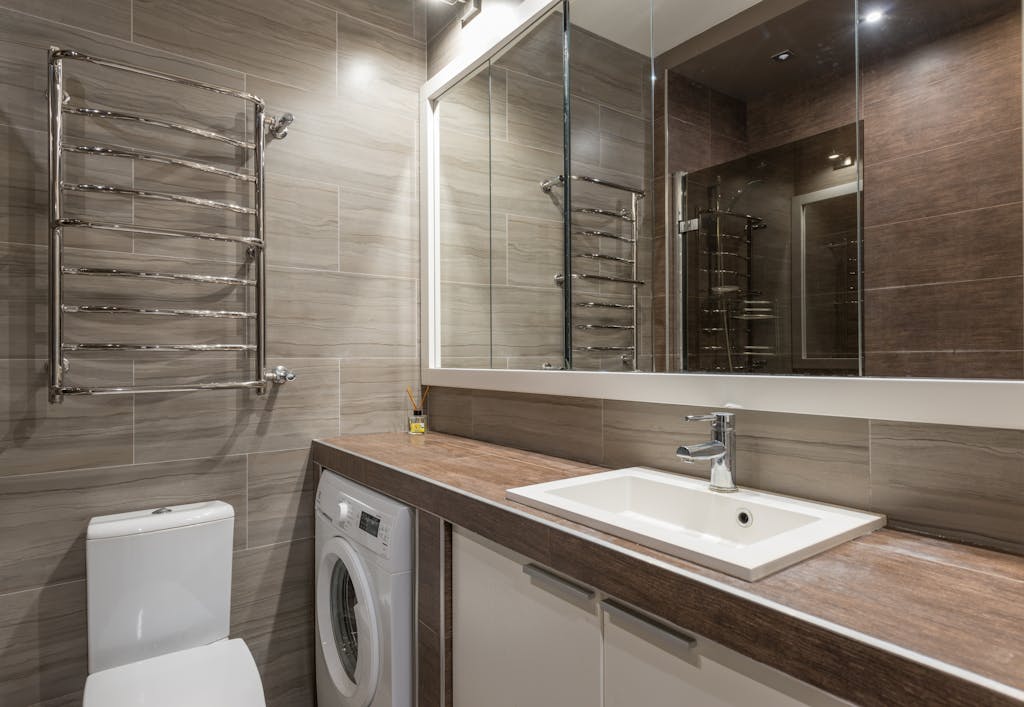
[342, 512]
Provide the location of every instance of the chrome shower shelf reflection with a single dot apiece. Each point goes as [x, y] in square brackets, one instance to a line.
[254, 351]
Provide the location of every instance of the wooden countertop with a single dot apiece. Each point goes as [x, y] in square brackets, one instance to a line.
[888, 619]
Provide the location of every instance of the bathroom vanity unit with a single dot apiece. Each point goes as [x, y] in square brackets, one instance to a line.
[886, 619]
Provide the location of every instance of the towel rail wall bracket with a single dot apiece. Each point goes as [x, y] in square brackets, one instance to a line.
[259, 377]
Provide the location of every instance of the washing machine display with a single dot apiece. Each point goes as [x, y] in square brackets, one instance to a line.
[364, 597]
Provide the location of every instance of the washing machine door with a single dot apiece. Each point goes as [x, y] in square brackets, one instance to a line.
[347, 622]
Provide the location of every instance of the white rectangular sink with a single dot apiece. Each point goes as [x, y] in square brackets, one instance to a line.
[747, 534]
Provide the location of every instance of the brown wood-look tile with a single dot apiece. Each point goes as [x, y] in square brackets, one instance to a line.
[527, 321]
[43, 517]
[821, 458]
[931, 317]
[894, 190]
[931, 250]
[169, 426]
[280, 491]
[429, 691]
[43, 646]
[908, 99]
[688, 101]
[1004, 365]
[566, 427]
[297, 47]
[429, 572]
[811, 108]
[535, 252]
[272, 610]
[82, 432]
[688, 147]
[957, 481]
[607, 73]
[451, 411]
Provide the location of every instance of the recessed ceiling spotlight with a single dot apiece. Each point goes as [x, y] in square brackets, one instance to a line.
[874, 16]
[784, 55]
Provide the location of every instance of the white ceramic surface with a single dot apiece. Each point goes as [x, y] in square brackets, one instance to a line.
[681, 516]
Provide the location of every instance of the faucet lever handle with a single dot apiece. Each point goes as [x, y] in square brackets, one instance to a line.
[700, 418]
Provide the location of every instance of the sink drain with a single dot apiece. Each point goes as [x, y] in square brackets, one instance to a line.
[744, 517]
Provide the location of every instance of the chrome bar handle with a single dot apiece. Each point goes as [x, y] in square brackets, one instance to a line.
[558, 584]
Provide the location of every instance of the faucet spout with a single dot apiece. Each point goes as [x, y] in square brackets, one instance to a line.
[720, 450]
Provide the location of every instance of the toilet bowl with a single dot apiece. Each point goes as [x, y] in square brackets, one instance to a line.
[159, 608]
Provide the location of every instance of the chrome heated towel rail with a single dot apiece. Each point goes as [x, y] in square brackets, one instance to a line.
[629, 353]
[59, 107]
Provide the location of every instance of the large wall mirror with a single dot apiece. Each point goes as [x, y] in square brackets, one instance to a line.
[825, 188]
[811, 188]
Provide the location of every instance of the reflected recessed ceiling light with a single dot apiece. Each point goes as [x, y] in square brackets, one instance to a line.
[784, 55]
[874, 16]
[834, 155]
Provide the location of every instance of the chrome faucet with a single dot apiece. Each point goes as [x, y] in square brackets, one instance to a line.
[720, 450]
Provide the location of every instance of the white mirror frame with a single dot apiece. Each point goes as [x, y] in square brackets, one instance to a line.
[976, 403]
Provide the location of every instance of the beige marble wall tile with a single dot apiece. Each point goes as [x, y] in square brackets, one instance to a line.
[378, 70]
[113, 17]
[608, 73]
[373, 397]
[527, 321]
[473, 247]
[272, 609]
[401, 16]
[957, 481]
[83, 432]
[564, 427]
[43, 517]
[43, 646]
[534, 112]
[644, 434]
[23, 301]
[536, 251]
[25, 40]
[175, 426]
[516, 174]
[280, 491]
[296, 47]
[465, 321]
[380, 232]
[344, 315]
[302, 223]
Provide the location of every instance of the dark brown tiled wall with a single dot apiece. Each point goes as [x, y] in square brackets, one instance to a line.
[963, 483]
[343, 254]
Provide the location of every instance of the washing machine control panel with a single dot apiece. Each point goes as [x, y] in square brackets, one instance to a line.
[357, 521]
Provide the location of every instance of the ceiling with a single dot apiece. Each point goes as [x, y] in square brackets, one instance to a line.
[628, 22]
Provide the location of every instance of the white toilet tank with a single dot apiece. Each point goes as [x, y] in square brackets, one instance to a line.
[158, 581]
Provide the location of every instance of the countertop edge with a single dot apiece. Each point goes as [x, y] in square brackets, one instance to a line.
[908, 668]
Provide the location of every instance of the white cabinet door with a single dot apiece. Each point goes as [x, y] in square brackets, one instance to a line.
[520, 638]
[654, 665]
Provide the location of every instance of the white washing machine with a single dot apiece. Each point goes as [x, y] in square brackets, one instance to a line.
[364, 597]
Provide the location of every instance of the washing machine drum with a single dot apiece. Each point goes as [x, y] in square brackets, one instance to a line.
[347, 623]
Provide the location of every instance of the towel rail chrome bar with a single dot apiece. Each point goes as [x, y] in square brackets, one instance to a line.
[201, 348]
[147, 156]
[609, 305]
[628, 327]
[548, 184]
[159, 123]
[129, 229]
[79, 56]
[185, 388]
[158, 196]
[603, 278]
[602, 256]
[184, 277]
[604, 212]
[118, 309]
[605, 348]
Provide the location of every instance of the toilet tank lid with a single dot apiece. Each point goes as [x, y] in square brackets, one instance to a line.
[156, 519]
